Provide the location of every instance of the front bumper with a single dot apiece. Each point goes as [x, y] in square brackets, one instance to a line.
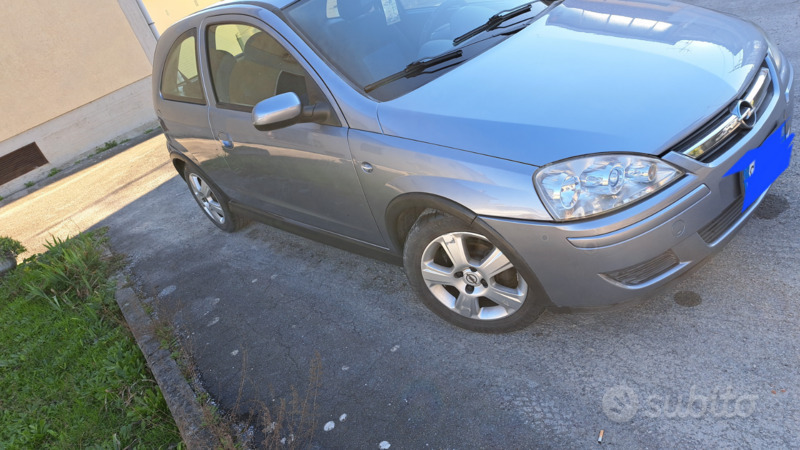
[632, 253]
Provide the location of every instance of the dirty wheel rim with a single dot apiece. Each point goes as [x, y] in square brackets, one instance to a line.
[207, 198]
[472, 277]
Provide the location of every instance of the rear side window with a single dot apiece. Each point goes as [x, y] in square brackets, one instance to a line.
[180, 80]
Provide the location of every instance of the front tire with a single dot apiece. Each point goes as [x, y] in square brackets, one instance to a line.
[466, 278]
[211, 200]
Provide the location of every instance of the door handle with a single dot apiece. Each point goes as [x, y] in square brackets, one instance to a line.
[225, 139]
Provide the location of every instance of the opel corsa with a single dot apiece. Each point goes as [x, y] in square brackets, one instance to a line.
[573, 153]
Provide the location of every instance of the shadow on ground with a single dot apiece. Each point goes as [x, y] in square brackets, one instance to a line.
[255, 306]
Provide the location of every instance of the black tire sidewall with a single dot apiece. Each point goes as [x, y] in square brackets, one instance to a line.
[429, 227]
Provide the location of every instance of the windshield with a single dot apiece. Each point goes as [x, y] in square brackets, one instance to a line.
[369, 40]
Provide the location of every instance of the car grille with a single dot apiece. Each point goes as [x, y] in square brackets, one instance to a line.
[717, 227]
[724, 130]
[646, 271]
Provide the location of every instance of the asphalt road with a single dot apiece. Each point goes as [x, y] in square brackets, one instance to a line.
[710, 362]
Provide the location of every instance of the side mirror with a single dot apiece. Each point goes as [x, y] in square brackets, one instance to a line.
[277, 112]
[286, 109]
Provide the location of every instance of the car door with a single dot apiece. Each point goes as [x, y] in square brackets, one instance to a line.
[182, 108]
[303, 172]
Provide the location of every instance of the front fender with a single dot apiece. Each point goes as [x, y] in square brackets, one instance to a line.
[477, 183]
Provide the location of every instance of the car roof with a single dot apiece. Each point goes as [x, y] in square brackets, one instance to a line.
[192, 19]
[268, 4]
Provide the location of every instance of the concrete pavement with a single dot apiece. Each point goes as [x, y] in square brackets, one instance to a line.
[85, 193]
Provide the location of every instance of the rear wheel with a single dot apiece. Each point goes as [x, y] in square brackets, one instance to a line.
[211, 201]
[465, 277]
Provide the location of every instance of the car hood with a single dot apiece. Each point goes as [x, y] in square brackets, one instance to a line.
[587, 77]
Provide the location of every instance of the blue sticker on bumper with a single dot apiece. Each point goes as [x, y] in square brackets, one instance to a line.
[762, 166]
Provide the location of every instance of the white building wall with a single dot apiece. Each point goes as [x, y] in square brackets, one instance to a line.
[77, 74]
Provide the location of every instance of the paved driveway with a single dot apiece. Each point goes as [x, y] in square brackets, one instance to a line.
[712, 361]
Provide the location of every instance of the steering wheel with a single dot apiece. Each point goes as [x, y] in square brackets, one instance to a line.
[439, 18]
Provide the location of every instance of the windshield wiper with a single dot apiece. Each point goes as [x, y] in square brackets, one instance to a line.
[415, 68]
[494, 22]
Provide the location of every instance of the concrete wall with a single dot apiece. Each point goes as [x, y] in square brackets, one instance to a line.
[75, 74]
[58, 56]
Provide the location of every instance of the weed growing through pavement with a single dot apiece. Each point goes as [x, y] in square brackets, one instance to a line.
[29, 184]
[292, 422]
[213, 420]
[288, 424]
[53, 171]
[107, 146]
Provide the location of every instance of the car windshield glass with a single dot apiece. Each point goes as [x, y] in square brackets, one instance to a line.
[370, 40]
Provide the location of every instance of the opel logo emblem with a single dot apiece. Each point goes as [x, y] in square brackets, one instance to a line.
[746, 113]
[751, 169]
[472, 279]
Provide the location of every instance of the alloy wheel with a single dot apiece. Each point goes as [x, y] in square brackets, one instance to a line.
[207, 198]
[472, 277]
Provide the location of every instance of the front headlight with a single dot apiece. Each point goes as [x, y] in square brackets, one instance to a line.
[592, 185]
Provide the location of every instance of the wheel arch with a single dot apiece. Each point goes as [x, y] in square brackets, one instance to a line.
[181, 162]
[180, 166]
[406, 209]
[403, 211]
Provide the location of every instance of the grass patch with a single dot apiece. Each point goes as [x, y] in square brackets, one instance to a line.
[10, 247]
[71, 375]
[53, 171]
[29, 183]
[107, 146]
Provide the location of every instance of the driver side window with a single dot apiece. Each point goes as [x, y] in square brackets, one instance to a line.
[248, 65]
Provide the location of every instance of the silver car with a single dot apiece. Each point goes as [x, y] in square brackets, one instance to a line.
[573, 153]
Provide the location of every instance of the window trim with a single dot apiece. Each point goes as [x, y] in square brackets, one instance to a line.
[337, 117]
[206, 41]
[264, 29]
[174, 98]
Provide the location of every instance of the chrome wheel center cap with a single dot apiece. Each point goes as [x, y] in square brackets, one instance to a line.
[472, 278]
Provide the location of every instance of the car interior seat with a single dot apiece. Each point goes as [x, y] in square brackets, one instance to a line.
[254, 77]
[221, 64]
